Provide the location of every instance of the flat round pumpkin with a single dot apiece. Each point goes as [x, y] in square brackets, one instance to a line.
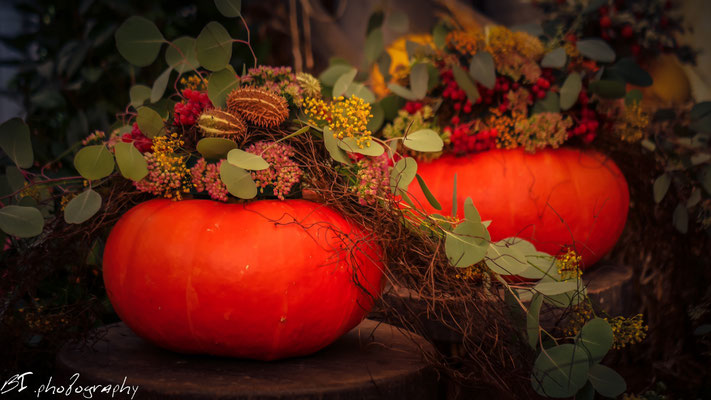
[554, 198]
[266, 280]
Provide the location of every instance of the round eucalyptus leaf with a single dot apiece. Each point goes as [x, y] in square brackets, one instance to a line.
[596, 338]
[424, 140]
[229, 8]
[15, 142]
[505, 260]
[374, 45]
[82, 207]
[350, 145]
[160, 84]
[20, 221]
[560, 371]
[332, 73]
[214, 46]
[94, 162]
[331, 144]
[181, 54]
[245, 160]
[466, 83]
[15, 178]
[150, 122]
[139, 94]
[342, 83]
[139, 41]
[401, 91]
[360, 90]
[378, 118]
[238, 181]
[596, 49]
[570, 90]
[419, 79]
[402, 174]
[482, 69]
[215, 148]
[220, 84]
[130, 161]
[467, 244]
[556, 287]
[606, 381]
[554, 59]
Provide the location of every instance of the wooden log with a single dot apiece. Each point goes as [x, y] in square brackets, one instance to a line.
[373, 361]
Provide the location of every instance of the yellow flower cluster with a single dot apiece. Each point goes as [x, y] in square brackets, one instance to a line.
[193, 82]
[30, 191]
[475, 272]
[580, 314]
[505, 127]
[627, 330]
[465, 42]
[633, 123]
[168, 176]
[347, 117]
[569, 265]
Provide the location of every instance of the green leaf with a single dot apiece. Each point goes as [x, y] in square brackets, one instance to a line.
[139, 41]
[238, 181]
[82, 207]
[343, 81]
[550, 103]
[391, 105]
[375, 21]
[15, 142]
[384, 62]
[378, 119]
[350, 145]
[467, 244]
[15, 179]
[220, 84]
[428, 194]
[608, 89]
[504, 259]
[632, 73]
[215, 148]
[229, 8]
[554, 59]
[139, 94]
[130, 161]
[661, 187]
[402, 174]
[606, 381]
[403, 92]
[560, 371]
[214, 46]
[424, 140]
[245, 160]
[470, 212]
[331, 144]
[94, 162]
[680, 219]
[160, 84]
[361, 91]
[187, 61]
[332, 73]
[596, 337]
[465, 82]
[540, 264]
[596, 49]
[150, 122]
[570, 90]
[20, 221]
[398, 22]
[532, 320]
[455, 201]
[419, 78]
[374, 45]
[555, 288]
[439, 35]
[482, 69]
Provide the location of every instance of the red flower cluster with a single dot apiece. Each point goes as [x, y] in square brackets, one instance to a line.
[465, 142]
[187, 111]
[141, 141]
[413, 106]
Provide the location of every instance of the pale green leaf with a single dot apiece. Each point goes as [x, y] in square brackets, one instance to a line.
[532, 320]
[342, 83]
[15, 142]
[139, 94]
[238, 181]
[20, 221]
[554, 59]
[424, 140]
[139, 41]
[215, 148]
[596, 338]
[181, 55]
[401, 91]
[82, 207]
[467, 244]
[482, 69]
[150, 122]
[130, 161]
[555, 288]
[570, 90]
[374, 45]
[94, 162]
[214, 46]
[402, 174]
[560, 371]
[661, 187]
[245, 160]
[331, 144]
[596, 49]
[606, 381]
[229, 8]
[371, 148]
[160, 84]
[466, 83]
[220, 84]
[419, 78]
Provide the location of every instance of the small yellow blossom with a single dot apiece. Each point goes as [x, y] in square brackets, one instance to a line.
[627, 330]
[569, 265]
[347, 117]
[633, 123]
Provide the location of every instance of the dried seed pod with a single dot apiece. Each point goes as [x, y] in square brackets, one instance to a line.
[217, 122]
[258, 106]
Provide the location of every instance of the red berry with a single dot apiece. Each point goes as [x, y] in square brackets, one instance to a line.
[627, 32]
[605, 21]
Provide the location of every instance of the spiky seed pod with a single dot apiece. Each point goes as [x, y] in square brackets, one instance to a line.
[258, 106]
[309, 84]
[217, 122]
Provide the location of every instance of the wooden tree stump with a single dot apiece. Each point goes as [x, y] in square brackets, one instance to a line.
[372, 361]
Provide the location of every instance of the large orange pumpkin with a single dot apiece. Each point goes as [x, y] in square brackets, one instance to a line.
[265, 280]
[554, 198]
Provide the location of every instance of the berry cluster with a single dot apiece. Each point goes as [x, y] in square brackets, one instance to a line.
[187, 111]
[413, 107]
[465, 142]
[141, 141]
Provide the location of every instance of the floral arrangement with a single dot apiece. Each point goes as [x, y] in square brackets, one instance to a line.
[272, 133]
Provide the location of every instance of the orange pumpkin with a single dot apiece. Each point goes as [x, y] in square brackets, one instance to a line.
[554, 198]
[265, 280]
